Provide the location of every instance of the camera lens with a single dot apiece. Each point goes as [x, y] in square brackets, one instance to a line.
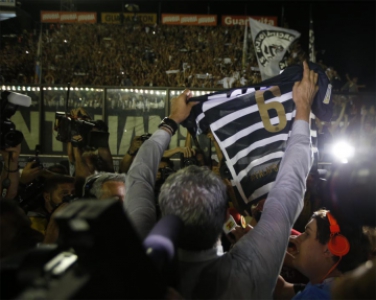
[13, 138]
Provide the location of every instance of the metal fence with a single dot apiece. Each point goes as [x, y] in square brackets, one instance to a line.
[128, 111]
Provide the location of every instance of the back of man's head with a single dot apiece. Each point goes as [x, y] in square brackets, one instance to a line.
[94, 188]
[52, 182]
[58, 169]
[198, 197]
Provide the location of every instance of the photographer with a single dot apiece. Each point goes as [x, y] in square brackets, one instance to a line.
[54, 189]
[88, 152]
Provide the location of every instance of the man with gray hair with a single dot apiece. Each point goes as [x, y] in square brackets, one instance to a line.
[104, 185]
[202, 208]
[250, 269]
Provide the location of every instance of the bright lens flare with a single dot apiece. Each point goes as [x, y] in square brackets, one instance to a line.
[343, 151]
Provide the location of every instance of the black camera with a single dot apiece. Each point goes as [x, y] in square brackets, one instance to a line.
[96, 269]
[36, 158]
[68, 126]
[189, 161]
[30, 197]
[9, 136]
[69, 198]
[165, 172]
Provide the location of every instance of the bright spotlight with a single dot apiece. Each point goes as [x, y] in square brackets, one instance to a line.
[343, 151]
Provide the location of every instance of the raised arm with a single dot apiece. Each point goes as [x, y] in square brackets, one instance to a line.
[262, 249]
[139, 197]
[127, 160]
[10, 174]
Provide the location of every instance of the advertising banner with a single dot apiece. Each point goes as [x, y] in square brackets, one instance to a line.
[68, 17]
[182, 19]
[228, 20]
[9, 3]
[119, 18]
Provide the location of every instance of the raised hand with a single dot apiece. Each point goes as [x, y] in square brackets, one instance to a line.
[304, 92]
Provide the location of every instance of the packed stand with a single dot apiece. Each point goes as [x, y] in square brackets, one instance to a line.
[132, 55]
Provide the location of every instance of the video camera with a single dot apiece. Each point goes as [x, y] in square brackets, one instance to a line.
[9, 102]
[68, 127]
[189, 161]
[109, 260]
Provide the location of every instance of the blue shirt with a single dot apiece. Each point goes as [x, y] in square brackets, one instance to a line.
[315, 291]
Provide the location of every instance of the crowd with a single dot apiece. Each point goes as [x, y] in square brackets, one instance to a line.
[135, 101]
[104, 54]
[290, 227]
[139, 55]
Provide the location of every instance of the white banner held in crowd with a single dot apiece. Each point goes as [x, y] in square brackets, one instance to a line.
[270, 44]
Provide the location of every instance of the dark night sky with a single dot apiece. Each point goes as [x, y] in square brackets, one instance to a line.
[344, 29]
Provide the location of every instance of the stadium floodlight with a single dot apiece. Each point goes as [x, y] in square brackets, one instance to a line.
[343, 151]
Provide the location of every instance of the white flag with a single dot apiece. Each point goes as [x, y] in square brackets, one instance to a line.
[270, 44]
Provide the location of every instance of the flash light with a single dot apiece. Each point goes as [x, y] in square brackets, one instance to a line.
[342, 151]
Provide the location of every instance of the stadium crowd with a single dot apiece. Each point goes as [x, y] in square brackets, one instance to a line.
[291, 227]
[135, 54]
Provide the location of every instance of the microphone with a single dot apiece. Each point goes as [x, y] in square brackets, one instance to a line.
[160, 244]
[234, 213]
[238, 218]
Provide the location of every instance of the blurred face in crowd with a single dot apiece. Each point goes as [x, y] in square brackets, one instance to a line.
[200, 159]
[311, 257]
[55, 198]
[112, 189]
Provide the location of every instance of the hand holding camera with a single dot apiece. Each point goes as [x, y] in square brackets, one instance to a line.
[31, 171]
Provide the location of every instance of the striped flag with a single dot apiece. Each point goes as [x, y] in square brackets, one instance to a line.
[252, 126]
